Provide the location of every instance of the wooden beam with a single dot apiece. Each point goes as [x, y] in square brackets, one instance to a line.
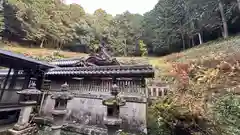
[5, 83]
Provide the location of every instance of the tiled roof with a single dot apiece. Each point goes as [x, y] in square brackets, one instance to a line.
[66, 62]
[9, 58]
[133, 70]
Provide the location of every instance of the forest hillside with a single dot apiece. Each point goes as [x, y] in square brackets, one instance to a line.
[171, 26]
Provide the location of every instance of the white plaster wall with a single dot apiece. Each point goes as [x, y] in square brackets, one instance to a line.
[82, 109]
[134, 110]
[135, 113]
[87, 110]
[91, 111]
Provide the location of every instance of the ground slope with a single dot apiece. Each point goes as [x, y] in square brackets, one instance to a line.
[205, 84]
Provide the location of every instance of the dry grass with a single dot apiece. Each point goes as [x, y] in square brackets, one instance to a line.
[41, 51]
[201, 76]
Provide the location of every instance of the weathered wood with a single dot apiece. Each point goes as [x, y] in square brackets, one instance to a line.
[5, 83]
[14, 79]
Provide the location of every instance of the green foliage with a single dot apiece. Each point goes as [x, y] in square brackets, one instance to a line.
[171, 26]
[227, 114]
[53, 24]
[176, 24]
[143, 48]
[156, 124]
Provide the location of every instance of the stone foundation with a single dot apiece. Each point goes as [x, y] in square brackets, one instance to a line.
[86, 130]
[30, 130]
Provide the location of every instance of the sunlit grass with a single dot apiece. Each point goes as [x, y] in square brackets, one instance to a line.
[41, 51]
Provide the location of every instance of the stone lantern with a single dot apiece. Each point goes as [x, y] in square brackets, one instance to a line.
[28, 98]
[60, 108]
[113, 103]
[114, 90]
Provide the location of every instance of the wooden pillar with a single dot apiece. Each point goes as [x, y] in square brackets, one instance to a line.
[27, 79]
[109, 86]
[149, 92]
[143, 85]
[152, 92]
[163, 92]
[5, 83]
[88, 85]
[84, 85]
[81, 85]
[157, 92]
[128, 84]
[102, 85]
[14, 79]
[39, 80]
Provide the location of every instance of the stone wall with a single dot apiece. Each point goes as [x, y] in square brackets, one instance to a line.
[90, 111]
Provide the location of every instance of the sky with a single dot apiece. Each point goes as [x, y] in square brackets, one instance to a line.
[116, 6]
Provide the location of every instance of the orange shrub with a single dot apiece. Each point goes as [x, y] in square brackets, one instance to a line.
[181, 72]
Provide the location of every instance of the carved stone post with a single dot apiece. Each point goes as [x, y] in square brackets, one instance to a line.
[28, 98]
[60, 109]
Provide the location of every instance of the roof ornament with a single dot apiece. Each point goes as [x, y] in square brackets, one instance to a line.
[102, 58]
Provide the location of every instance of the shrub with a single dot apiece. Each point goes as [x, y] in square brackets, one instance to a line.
[143, 48]
[227, 114]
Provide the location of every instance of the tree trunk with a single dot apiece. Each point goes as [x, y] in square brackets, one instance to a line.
[193, 42]
[224, 21]
[200, 38]
[189, 43]
[238, 3]
[125, 48]
[41, 45]
[183, 41]
[137, 48]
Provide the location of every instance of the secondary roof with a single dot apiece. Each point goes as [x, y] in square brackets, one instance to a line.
[19, 61]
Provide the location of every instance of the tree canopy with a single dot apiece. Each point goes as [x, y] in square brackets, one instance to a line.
[172, 25]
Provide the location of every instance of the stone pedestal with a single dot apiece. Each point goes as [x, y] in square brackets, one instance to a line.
[25, 115]
[23, 127]
[58, 116]
[29, 130]
[56, 130]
